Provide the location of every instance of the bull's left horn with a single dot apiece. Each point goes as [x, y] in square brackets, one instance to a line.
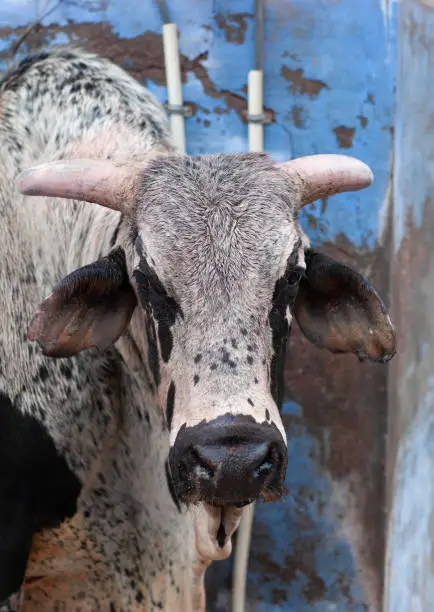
[320, 176]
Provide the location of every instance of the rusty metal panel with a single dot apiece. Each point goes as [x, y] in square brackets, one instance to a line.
[329, 79]
[410, 453]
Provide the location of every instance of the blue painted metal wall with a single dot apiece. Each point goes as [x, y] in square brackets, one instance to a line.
[329, 83]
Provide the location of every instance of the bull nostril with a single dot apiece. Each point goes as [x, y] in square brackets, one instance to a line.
[265, 468]
[203, 467]
[255, 461]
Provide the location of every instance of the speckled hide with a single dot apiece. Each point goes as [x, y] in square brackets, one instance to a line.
[87, 521]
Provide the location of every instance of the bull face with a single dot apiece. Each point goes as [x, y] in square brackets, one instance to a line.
[213, 269]
[216, 268]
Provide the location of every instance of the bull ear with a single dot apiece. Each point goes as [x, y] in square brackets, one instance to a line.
[88, 308]
[336, 308]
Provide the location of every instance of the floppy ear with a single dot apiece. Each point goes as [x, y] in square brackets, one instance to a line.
[88, 308]
[336, 308]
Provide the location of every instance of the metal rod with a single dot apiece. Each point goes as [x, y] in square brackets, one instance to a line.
[174, 85]
[255, 109]
[241, 560]
[173, 78]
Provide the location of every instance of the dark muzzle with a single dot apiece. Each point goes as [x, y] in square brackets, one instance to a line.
[232, 460]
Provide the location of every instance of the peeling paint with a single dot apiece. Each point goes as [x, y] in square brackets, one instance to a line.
[234, 26]
[315, 561]
[344, 136]
[297, 118]
[301, 84]
[142, 56]
[215, 70]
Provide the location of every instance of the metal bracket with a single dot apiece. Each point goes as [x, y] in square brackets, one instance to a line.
[266, 117]
[175, 109]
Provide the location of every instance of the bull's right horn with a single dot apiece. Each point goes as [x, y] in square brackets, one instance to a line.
[92, 180]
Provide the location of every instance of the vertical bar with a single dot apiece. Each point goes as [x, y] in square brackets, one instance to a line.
[241, 559]
[255, 109]
[174, 88]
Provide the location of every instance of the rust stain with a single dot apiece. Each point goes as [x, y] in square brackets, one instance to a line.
[141, 56]
[296, 115]
[233, 101]
[220, 110]
[344, 136]
[195, 108]
[234, 26]
[309, 215]
[301, 84]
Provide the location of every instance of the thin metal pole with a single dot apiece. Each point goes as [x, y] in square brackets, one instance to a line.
[173, 79]
[255, 85]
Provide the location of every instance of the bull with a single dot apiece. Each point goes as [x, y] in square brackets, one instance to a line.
[145, 419]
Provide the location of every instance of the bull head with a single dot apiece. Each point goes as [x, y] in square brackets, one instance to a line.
[215, 267]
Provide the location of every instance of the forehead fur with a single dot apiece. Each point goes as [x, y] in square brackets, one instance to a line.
[223, 224]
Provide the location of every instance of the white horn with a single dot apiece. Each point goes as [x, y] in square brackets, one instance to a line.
[320, 176]
[99, 181]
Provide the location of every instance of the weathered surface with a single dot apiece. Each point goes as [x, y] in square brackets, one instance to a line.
[410, 467]
[332, 520]
[328, 83]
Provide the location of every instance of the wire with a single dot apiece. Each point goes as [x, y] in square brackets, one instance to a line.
[163, 10]
[259, 34]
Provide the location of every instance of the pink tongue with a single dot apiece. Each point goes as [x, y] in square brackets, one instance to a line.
[230, 519]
